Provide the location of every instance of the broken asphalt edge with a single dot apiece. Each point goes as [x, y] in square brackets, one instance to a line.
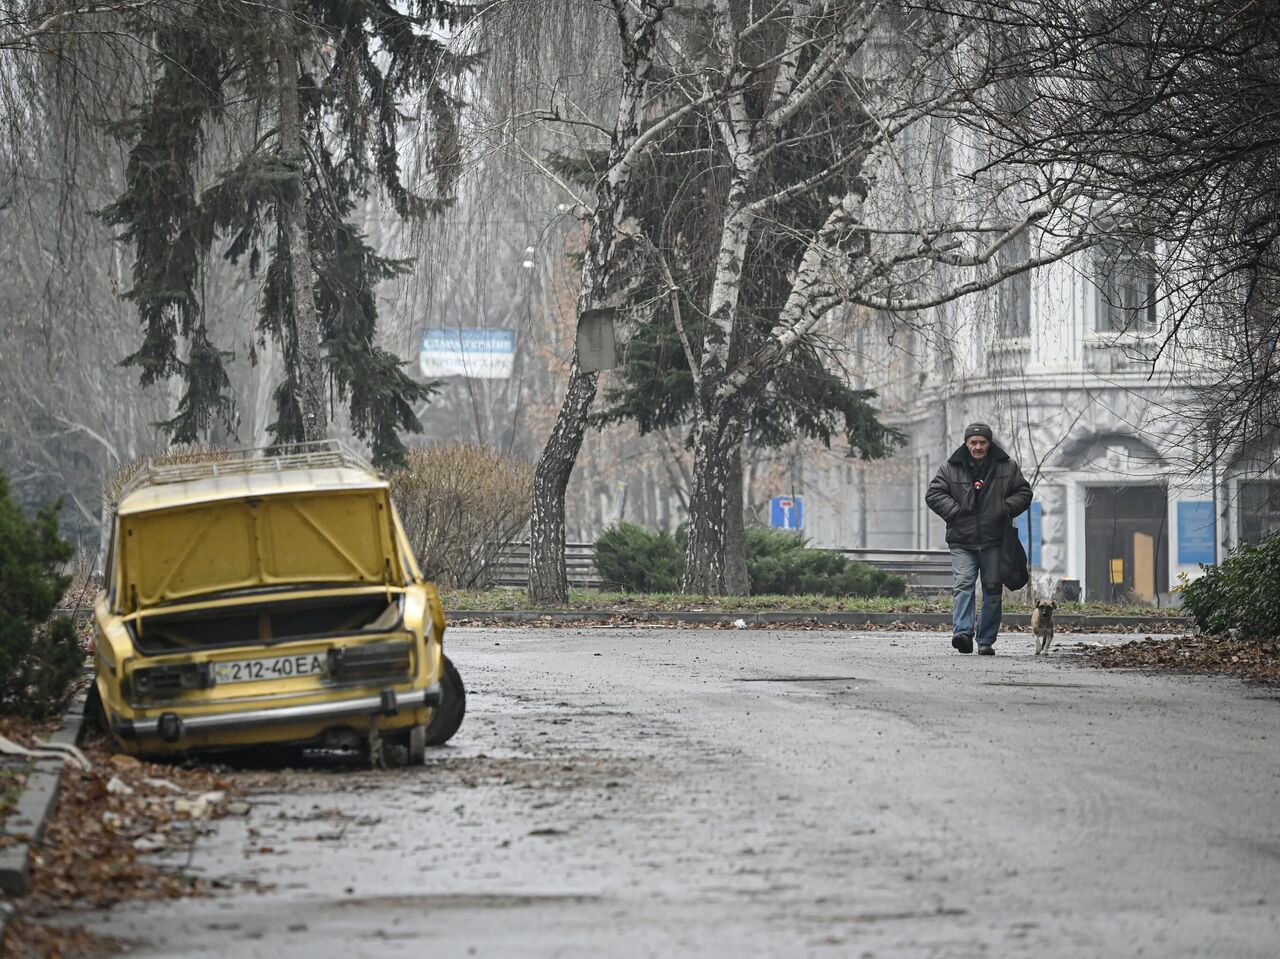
[1155, 623]
[31, 810]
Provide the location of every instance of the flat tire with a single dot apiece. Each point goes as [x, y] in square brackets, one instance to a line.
[447, 717]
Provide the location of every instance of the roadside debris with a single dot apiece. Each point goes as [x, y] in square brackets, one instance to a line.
[800, 621]
[62, 751]
[105, 843]
[1253, 661]
[118, 787]
[24, 938]
[108, 820]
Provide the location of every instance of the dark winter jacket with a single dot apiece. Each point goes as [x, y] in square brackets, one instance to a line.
[978, 519]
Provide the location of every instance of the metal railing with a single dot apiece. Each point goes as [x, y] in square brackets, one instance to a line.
[317, 454]
[925, 570]
[511, 567]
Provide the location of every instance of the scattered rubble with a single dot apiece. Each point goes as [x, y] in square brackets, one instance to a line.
[95, 848]
[110, 816]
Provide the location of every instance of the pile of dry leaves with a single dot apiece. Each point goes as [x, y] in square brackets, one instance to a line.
[112, 838]
[1250, 659]
[112, 817]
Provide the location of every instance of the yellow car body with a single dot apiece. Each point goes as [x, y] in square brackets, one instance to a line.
[265, 600]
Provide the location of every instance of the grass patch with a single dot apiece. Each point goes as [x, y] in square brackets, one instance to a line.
[500, 600]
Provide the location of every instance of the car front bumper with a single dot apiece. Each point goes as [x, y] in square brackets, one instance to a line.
[172, 728]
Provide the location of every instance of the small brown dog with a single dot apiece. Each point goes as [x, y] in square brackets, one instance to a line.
[1042, 625]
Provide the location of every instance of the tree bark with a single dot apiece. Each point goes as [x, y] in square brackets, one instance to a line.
[548, 581]
[705, 567]
[716, 553]
[715, 506]
[736, 580]
[293, 220]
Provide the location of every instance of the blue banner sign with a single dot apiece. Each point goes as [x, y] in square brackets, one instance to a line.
[1195, 532]
[1028, 526]
[786, 512]
[479, 354]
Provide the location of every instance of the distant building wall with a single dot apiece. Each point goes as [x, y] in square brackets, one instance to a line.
[1097, 427]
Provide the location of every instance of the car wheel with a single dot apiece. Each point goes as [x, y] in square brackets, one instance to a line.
[95, 716]
[447, 717]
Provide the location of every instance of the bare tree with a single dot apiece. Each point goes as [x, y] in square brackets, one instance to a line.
[825, 122]
[871, 213]
[637, 34]
[1168, 109]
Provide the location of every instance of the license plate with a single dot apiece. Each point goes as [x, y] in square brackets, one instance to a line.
[273, 667]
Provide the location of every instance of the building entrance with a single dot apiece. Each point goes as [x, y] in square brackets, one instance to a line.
[1126, 543]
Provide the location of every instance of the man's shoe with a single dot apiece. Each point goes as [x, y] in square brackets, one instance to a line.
[986, 649]
[963, 644]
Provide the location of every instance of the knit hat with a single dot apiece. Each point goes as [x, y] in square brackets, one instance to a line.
[977, 429]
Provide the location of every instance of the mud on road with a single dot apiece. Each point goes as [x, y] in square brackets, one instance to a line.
[646, 792]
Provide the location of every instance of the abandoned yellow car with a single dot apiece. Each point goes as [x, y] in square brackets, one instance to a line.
[269, 599]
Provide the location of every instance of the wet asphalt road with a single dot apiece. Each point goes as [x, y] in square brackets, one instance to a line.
[657, 792]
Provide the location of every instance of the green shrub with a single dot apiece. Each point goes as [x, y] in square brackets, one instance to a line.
[631, 558]
[779, 563]
[1241, 592]
[38, 659]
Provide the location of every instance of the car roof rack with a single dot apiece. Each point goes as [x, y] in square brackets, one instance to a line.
[316, 454]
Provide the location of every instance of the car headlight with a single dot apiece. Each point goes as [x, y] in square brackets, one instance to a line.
[370, 661]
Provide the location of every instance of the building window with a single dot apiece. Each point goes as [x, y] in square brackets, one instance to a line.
[1013, 295]
[1126, 286]
[1258, 509]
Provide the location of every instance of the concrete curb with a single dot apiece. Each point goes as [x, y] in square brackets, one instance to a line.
[39, 795]
[802, 617]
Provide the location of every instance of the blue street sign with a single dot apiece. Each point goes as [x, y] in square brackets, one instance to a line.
[786, 512]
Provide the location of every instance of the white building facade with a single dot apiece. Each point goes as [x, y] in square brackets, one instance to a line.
[1066, 366]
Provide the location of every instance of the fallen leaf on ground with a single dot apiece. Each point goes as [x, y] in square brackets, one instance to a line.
[1256, 661]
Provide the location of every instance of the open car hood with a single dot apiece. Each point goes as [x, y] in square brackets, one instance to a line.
[183, 552]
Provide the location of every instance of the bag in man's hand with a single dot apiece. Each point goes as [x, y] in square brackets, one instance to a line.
[1014, 572]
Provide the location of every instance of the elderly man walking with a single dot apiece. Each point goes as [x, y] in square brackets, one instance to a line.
[977, 491]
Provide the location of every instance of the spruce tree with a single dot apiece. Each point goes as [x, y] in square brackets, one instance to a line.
[306, 97]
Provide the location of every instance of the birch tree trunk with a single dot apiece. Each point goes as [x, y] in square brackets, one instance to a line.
[736, 580]
[717, 445]
[715, 560]
[548, 582]
[293, 220]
